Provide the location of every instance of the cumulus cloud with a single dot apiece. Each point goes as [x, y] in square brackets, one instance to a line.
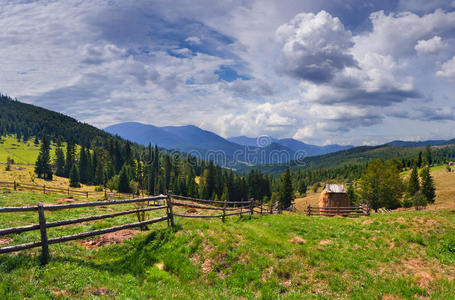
[430, 46]
[315, 46]
[315, 71]
[447, 69]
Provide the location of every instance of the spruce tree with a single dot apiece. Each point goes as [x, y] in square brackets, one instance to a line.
[74, 177]
[83, 166]
[69, 160]
[123, 181]
[428, 189]
[428, 156]
[43, 165]
[59, 162]
[286, 191]
[413, 184]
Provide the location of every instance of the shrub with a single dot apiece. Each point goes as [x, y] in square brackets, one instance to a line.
[99, 188]
[419, 201]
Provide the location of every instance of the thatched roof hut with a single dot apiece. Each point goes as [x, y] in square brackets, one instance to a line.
[334, 195]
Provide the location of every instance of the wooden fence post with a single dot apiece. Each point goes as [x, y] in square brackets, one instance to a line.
[42, 227]
[170, 214]
[224, 210]
[44, 188]
[86, 194]
[251, 206]
[271, 207]
[15, 185]
[261, 205]
[308, 210]
[105, 194]
[68, 191]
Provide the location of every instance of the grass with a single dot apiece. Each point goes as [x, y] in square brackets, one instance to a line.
[26, 174]
[392, 256]
[22, 153]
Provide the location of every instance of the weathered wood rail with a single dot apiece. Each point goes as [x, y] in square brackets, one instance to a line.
[351, 211]
[43, 225]
[67, 191]
[161, 202]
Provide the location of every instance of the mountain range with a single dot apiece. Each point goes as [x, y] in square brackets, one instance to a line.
[234, 152]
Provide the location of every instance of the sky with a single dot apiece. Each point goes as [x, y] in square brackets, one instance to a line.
[322, 72]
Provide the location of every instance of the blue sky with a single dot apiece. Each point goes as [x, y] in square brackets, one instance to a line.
[338, 71]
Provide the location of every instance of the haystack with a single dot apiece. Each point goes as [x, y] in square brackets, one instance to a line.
[334, 195]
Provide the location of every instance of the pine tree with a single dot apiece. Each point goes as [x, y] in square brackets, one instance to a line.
[419, 160]
[428, 156]
[69, 159]
[8, 164]
[99, 173]
[428, 189]
[286, 191]
[351, 194]
[413, 184]
[123, 181]
[83, 166]
[74, 177]
[43, 165]
[59, 161]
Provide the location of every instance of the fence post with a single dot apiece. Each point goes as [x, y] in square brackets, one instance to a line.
[42, 227]
[224, 210]
[251, 206]
[170, 214]
[261, 205]
[308, 210]
[86, 194]
[14, 184]
[105, 194]
[68, 191]
[44, 188]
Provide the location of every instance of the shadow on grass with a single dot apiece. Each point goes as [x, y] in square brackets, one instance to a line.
[134, 256]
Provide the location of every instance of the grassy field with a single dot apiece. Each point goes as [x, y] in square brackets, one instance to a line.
[390, 256]
[26, 174]
[22, 153]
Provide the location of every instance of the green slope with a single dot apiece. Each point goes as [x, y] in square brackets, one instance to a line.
[395, 256]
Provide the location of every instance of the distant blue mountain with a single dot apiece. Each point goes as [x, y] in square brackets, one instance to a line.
[294, 145]
[416, 144]
[238, 151]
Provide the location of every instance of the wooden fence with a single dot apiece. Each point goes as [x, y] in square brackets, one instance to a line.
[338, 211]
[228, 208]
[49, 189]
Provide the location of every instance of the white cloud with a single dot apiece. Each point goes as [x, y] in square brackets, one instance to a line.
[314, 47]
[430, 46]
[193, 40]
[447, 70]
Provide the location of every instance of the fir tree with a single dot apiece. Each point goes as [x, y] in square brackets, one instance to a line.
[123, 181]
[428, 189]
[43, 166]
[428, 156]
[59, 161]
[83, 166]
[74, 177]
[413, 184]
[8, 164]
[286, 191]
[69, 159]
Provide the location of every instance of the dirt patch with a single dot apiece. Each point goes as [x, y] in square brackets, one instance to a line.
[297, 240]
[367, 222]
[60, 292]
[207, 266]
[5, 241]
[326, 242]
[66, 200]
[423, 279]
[109, 238]
[101, 291]
[267, 273]
[191, 211]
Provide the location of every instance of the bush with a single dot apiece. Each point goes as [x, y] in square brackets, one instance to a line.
[99, 188]
[134, 187]
[112, 184]
[407, 202]
[419, 201]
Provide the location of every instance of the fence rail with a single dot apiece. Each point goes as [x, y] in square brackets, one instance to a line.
[67, 191]
[154, 203]
[350, 211]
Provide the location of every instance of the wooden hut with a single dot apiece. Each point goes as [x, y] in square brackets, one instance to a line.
[334, 195]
